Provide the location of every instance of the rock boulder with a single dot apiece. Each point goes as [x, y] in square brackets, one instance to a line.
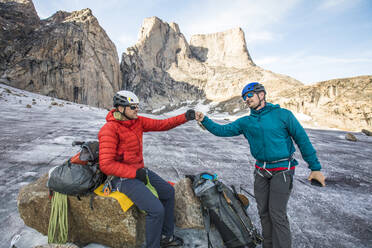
[367, 132]
[350, 137]
[106, 224]
[187, 210]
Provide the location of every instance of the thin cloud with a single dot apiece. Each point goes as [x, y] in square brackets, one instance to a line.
[337, 4]
[312, 68]
[325, 60]
[267, 60]
[318, 59]
[253, 16]
[252, 37]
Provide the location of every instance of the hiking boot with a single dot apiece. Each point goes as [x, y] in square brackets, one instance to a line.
[172, 241]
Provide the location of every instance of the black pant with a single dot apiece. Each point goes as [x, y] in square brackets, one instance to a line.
[159, 212]
[272, 193]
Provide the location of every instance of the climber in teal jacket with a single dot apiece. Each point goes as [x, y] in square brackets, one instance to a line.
[269, 131]
[269, 140]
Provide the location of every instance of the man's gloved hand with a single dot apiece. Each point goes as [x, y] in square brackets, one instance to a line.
[190, 114]
[141, 175]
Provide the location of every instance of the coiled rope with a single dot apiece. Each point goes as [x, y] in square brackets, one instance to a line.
[58, 222]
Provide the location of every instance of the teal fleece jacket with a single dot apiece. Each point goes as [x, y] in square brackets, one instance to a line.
[269, 132]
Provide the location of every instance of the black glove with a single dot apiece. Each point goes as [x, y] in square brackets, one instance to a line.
[141, 175]
[190, 114]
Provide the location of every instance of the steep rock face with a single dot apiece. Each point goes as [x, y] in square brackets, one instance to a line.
[145, 66]
[339, 103]
[18, 18]
[68, 55]
[227, 49]
[163, 68]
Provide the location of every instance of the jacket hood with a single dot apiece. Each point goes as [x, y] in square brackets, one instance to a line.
[268, 107]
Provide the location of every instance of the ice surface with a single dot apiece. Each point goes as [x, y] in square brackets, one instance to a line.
[35, 139]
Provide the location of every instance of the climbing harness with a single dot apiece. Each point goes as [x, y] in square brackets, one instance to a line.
[290, 159]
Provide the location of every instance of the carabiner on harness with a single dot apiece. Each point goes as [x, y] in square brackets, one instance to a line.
[107, 187]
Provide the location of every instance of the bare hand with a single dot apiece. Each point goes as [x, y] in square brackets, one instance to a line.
[199, 116]
[317, 175]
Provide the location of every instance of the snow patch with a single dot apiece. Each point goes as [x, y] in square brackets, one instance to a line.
[158, 109]
[303, 117]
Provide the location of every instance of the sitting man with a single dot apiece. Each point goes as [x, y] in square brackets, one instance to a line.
[120, 155]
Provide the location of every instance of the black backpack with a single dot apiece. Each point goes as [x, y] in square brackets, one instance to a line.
[80, 175]
[226, 210]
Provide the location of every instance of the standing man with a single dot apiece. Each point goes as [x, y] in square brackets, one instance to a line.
[269, 131]
[120, 155]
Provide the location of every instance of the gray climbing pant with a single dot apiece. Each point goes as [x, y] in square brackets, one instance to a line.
[272, 191]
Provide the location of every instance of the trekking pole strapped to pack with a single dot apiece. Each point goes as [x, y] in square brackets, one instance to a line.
[223, 208]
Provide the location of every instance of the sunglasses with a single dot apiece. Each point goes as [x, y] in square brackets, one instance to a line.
[133, 107]
[248, 94]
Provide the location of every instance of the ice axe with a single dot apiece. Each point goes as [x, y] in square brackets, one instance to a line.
[246, 191]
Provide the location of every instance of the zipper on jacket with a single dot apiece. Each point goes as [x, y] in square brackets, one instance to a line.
[263, 134]
[139, 140]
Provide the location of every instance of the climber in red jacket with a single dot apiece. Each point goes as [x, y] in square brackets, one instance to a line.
[120, 155]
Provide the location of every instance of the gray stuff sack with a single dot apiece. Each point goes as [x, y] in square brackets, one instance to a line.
[71, 179]
[78, 179]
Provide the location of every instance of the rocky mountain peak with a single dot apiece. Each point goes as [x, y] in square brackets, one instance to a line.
[57, 17]
[175, 27]
[148, 26]
[67, 55]
[160, 43]
[84, 15]
[19, 9]
[215, 66]
[80, 16]
[18, 18]
[227, 49]
[153, 24]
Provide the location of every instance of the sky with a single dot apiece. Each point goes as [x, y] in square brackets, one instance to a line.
[310, 40]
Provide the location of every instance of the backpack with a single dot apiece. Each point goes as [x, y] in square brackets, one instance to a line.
[225, 209]
[79, 175]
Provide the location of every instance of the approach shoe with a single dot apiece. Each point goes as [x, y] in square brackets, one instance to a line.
[172, 241]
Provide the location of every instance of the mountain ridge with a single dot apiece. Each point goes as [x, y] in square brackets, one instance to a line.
[67, 55]
[70, 56]
[217, 64]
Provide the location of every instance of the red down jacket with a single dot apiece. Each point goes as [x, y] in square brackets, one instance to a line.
[120, 142]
